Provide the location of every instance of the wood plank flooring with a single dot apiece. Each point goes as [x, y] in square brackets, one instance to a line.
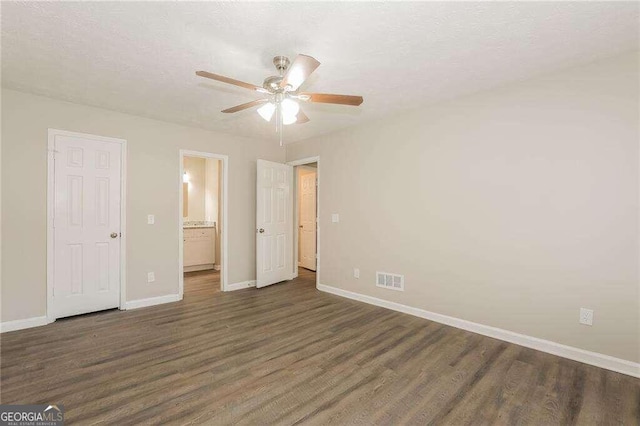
[289, 354]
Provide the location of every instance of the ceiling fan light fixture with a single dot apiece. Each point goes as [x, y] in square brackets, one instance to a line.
[282, 92]
[289, 119]
[290, 108]
[266, 111]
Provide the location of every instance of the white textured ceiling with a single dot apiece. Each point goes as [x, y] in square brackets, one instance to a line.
[141, 57]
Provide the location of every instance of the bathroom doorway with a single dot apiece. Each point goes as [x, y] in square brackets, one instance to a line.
[202, 222]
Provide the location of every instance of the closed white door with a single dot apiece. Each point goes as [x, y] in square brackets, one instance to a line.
[307, 219]
[274, 225]
[86, 244]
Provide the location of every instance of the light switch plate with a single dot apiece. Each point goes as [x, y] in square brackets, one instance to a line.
[151, 219]
[335, 218]
[356, 273]
[586, 316]
[151, 277]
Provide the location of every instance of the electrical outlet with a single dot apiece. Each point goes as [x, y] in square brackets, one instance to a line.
[151, 219]
[356, 273]
[586, 316]
[151, 277]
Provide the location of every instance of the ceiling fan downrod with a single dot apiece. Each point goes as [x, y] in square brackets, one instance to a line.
[282, 64]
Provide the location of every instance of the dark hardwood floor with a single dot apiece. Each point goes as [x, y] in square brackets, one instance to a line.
[290, 354]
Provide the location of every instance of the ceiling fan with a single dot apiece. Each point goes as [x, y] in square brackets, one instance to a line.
[282, 92]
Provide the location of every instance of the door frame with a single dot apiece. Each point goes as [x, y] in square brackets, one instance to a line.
[224, 218]
[314, 170]
[52, 133]
[295, 163]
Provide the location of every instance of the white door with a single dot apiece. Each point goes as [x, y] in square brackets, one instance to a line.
[274, 225]
[86, 243]
[307, 220]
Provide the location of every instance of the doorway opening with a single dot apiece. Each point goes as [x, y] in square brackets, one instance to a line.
[307, 215]
[202, 223]
[306, 235]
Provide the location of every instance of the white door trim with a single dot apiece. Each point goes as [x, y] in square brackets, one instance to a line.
[224, 218]
[52, 133]
[302, 162]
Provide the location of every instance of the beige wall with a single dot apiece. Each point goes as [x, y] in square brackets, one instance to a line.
[152, 188]
[511, 208]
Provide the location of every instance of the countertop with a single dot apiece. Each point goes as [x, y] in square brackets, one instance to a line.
[194, 224]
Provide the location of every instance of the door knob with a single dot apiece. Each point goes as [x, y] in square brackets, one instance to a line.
[261, 231]
[114, 235]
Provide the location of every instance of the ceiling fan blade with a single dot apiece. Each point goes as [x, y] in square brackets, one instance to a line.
[302, 118]
[299, 71]
[245, 106]
[228, 80]
[326, 98]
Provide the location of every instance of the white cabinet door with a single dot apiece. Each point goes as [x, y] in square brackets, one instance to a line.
[274, 224]
[86, 257]
[199, 247]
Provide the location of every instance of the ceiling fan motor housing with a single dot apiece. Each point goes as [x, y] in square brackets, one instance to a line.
[272, 83]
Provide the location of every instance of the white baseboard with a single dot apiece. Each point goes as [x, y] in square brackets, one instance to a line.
[570, 352]
[152, 301]
[241, 285]
[23, 323]
[196, 268]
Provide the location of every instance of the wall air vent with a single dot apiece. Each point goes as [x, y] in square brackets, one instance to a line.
[390, 281]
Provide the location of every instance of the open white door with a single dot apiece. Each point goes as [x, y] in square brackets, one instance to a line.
[307, 219]
[274, 224]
